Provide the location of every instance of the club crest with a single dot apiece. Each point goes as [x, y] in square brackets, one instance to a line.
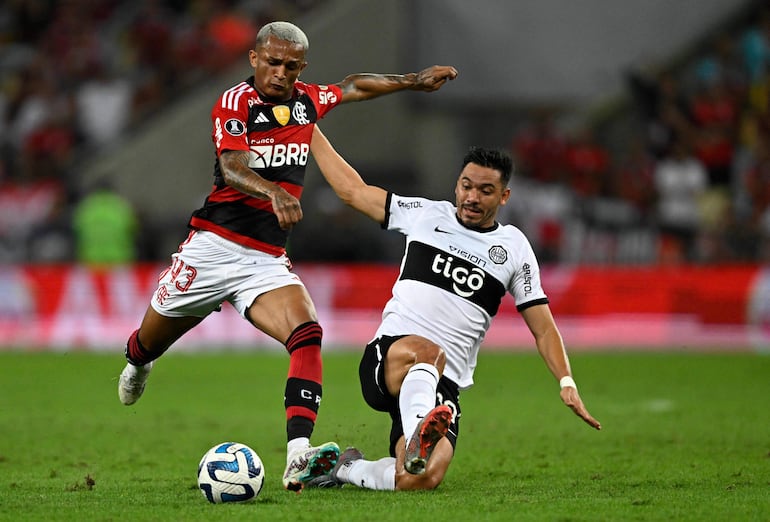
[282, 114]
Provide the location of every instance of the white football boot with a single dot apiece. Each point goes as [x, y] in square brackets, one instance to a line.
[132, 382]
[309, 463]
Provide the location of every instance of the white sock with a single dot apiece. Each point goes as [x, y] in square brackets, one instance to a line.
[371, 474]
[417, 396]
[296, 445]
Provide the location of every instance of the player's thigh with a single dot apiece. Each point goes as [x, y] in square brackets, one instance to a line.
[405, 353]
[279, 311]
[435, 469]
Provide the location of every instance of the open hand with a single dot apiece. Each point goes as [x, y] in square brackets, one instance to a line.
[572, 399]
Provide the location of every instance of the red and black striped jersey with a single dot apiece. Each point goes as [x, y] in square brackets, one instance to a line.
[277, 136]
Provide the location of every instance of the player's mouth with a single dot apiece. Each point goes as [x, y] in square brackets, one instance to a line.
[470, 215]
[471, 210]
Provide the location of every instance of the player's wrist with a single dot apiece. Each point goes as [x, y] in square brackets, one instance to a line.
[567, 381]
[412, 80]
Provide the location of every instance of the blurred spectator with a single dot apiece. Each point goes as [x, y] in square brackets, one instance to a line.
[33, 101]
[716, 114]
[755, 49]
[754, 174]
[106, 227]
[28, 202]
[634, 176]
[149, 39]
[541, 211]
[662, 107]
[231, 31]
[51, 240]
[722, 63]
[539, 148]
[587, 162]
[104, 102]
[75, 40]
[680, 181]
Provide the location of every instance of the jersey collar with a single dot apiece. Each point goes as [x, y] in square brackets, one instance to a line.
[478, 229]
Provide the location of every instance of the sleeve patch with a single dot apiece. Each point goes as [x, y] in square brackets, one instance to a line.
[235, 127]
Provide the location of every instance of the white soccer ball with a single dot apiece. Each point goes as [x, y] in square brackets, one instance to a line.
[230, 472]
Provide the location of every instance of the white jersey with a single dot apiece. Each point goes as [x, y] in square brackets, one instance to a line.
[453, 278]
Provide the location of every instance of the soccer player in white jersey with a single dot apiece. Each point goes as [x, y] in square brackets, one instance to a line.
[458, 264]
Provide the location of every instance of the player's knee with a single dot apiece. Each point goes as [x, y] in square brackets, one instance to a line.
[440, 361]
[406, 354]
[431, 353]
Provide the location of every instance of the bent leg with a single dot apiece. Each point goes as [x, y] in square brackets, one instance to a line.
[413, 367]
[158, 332]
[144, 345]
[155, 335]
[435, 469]
[407, 352]
[384, 375]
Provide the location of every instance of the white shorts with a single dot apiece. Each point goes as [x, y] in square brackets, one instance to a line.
[208, 270]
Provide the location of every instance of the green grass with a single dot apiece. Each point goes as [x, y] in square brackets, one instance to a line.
[685, 437]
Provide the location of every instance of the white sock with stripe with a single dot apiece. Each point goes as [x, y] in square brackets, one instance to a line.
[417, 396]
[371, 474]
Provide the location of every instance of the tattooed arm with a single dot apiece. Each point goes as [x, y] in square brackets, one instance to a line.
[238, 175]
[364, 86]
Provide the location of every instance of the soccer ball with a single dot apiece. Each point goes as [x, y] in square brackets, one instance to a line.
[230, 472]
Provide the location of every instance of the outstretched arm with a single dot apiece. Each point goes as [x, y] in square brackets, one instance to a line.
[551, 348]
[364, 86]
[345, 181]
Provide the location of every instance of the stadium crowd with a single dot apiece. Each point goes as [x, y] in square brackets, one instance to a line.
[77, 75]
[688, 180]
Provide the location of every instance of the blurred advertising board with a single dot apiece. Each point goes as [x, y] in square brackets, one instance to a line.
[71, 307]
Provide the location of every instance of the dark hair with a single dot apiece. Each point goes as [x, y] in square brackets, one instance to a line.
[496, 159]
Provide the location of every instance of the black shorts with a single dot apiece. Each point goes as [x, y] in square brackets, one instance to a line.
[371, 372]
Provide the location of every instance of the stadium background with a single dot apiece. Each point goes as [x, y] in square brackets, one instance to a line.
[574, 91]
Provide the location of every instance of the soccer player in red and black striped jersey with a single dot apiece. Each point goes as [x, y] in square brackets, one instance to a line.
[235, 252]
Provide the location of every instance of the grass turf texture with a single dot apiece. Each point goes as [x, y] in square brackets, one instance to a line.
[685, 437]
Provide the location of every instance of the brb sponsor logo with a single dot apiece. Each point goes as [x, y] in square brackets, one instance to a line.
[278, 155]
[465, 281]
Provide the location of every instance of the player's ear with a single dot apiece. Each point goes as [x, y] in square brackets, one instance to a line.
[505, 196]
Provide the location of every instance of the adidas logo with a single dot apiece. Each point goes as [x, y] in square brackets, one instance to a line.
[261, 118]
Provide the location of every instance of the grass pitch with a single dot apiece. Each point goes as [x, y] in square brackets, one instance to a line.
[685, 437]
